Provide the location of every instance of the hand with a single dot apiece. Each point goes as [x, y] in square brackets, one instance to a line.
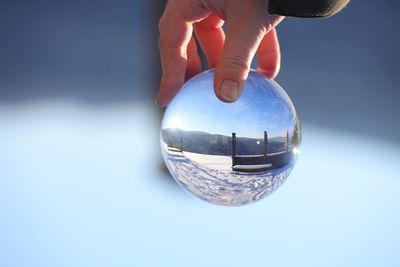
[249, 29]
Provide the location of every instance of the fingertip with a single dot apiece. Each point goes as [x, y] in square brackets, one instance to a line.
[159, 102]
[269, 55]
[270, 73]
[169, 87]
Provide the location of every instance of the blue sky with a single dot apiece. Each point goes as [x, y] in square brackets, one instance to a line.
[260, 108]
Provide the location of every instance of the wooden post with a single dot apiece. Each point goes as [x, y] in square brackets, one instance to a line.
[287, 140]
[265, 146]
[233, 149]
[181, 144]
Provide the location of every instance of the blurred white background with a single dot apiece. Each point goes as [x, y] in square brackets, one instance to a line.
[81, 177]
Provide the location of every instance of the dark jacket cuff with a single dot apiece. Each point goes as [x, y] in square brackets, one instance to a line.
[306, 8]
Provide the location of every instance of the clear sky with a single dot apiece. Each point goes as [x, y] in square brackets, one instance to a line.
[262, 107]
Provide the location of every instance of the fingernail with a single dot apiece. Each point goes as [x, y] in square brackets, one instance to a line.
[229, 90]
[159, 104]
[156, 103]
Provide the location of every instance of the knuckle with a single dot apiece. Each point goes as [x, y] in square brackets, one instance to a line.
[193, 10]
[260, 28]
[235, 64]
[161, 23]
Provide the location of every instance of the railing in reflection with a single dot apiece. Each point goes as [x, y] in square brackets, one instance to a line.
[264, 161]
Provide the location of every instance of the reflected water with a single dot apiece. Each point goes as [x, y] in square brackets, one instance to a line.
[230, 154]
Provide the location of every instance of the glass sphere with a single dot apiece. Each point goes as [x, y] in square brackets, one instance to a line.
[230, 153]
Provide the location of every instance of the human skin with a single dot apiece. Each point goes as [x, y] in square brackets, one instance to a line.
[250, 30]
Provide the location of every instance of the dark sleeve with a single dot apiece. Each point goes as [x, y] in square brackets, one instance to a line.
[306, 8]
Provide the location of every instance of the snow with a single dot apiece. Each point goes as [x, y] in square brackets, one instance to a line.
[211, 178]
[216, 162]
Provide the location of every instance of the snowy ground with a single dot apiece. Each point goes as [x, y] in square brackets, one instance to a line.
[211, 178]
[218, 162]
[221, 163]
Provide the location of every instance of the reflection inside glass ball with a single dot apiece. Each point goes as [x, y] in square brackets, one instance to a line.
[230, 154]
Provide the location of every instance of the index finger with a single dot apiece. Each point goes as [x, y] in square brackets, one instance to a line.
[175, 34]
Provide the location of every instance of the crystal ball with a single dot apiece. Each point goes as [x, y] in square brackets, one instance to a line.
[230, 153]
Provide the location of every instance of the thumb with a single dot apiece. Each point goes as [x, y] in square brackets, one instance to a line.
[246, 26]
